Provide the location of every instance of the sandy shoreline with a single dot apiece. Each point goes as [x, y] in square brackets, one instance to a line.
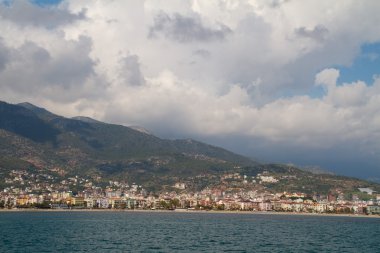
[192, 211]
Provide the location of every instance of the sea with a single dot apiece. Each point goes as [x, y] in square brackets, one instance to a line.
[108, 231]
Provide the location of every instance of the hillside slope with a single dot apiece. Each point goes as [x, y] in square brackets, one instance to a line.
[33, 138]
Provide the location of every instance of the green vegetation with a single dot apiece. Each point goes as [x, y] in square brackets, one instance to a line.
[36, 140]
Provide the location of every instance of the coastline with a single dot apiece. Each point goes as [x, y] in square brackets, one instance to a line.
[181, 211]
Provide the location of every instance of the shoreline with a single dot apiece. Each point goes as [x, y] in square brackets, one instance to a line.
[181, 211]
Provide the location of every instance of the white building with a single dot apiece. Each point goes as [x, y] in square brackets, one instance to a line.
[180, 186]
[268, 179]
[366, 190]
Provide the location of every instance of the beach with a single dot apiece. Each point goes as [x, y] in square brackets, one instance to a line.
[191, 211]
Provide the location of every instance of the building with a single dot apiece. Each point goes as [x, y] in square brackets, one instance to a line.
[76, 201]
[366, 190]
[180, 186]
[268, 179]
[248, 205]
[90, 202]
[102, 203]
[22, 201]
[331, 198]
[265, 206]
[373, 209]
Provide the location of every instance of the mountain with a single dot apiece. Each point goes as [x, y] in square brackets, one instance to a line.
[85, 119]
[140, 129]
[32, 138]
[24, 122]
[316, 170]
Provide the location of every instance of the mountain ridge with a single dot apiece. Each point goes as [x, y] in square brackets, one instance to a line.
[34, 138]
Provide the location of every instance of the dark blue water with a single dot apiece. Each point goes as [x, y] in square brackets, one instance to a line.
[184, 232]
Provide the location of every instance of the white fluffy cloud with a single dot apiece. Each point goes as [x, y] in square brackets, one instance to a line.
[207, 69]
[345, 112]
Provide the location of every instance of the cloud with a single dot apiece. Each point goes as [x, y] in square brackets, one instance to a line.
[186, 29]
[327, 77]
[25, 13]
[34, 70]
[354, 94]
[319, 32]
[319, 122]
[4, 55]
[241, 74]
[343, 122]
[277, 3]
[202, 53]
[130, 71]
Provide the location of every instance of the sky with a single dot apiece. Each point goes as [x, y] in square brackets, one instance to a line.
[290, 81]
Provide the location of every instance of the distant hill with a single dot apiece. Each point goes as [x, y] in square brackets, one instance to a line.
[86, 119]
[24, 122]
[316, 170]
[33, 138]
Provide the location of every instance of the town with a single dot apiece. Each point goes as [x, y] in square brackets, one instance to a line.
[41, 191]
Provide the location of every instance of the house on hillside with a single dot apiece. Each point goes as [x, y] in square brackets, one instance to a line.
[366, 190]
[179, 185]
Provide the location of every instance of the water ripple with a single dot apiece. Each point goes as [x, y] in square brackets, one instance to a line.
[189, 232]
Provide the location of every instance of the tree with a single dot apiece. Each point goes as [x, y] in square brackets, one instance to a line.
[174, 203]
[220, 207]
[164, 205]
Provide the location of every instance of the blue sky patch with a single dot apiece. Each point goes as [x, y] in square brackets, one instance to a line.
[365, 66]
[46, 2]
